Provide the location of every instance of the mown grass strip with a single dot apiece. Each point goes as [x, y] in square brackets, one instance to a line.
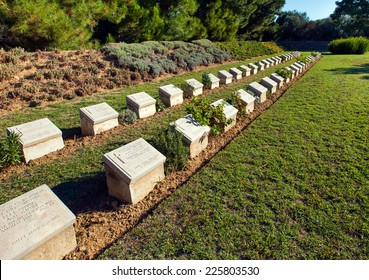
[82, 172]
[294, 185]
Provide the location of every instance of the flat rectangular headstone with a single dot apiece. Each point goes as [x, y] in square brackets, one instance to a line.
[224, 74]
[247, 99]
[133, 170]
[253, 66]
[269, 84]
[140, 99]
[99, 113]
[271, 61]
[296, 68]
[237, 74]
[171, 95]
[195, 84]
[258, 90]
[214, 81]
[246, 69]
[277, 78]
[190, 129]
[262, 65]
[36, 132]
[229, 110]
[36, 225]
[134, 159]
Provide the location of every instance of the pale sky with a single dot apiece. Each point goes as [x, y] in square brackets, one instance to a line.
[315, 9]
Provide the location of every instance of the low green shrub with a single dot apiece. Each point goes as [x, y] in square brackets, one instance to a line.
[352, 45]
[235, 101]
[10, 150]
[284, 73]
[206, 114]
[160, 106]
[170, 143]
[127, 116]
[206, 81]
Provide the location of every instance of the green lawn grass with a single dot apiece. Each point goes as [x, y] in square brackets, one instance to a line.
[82, 172]
[293, 185]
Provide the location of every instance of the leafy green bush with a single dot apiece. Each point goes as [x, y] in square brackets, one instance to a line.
[235, 101]
[206, 81]
[10, 150]
[352, 45]
[169, 142]
[160, 106]
[206, 114]
[127, 116]
[284, 73]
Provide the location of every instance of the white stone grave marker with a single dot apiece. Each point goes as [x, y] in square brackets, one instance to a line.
[171, 95]
[225, 77]
[237, 74]
[214, 81]
[193, 88]
[230, 113]
[36, 226]
[38, 138]
[133, 170]
[269, 84]
[248, 100]
[246, 70]
[278, 79]
[142, 104]
[258, 90]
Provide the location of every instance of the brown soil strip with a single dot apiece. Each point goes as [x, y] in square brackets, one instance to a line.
[102, 219]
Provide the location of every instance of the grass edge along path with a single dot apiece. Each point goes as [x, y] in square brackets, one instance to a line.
[294, 185]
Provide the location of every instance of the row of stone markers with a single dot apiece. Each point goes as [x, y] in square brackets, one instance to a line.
[37, 225]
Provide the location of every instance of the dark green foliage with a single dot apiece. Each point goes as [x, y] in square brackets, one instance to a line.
[10, 150]
[235, 101]
[206, 114]
[159, 105]
[352, 17]
[170, 143]
[247, 49]
[284, 73]
[352, 45]
[206, 81]
[127, 116]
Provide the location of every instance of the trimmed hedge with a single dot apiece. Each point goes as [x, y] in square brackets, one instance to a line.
[352, 45]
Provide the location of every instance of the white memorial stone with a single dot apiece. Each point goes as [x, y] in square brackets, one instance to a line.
[278, 79]
[142, 104]
[269, 84]
[253, 67]
[259, 90]
[271, 61]
[225, 77]
[97, 119]
[230, 113]
[133, 170]
[38, 138]
[171, 95]
[194, 134]
[36, 226]
[248, 100]
[246, 70]
[237, 74]
[294, 72]
[262, 65]
[214, 81]
[298, 69]
[193, 87]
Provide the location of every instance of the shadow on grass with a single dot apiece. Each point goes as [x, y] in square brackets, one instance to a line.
[69, 133]
[365, 78]
[355, 70]
[85, 194]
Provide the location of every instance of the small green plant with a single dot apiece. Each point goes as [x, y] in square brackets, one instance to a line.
[10, 150]
[235, 100]
[127, 116]
[170, 143]
[206, 114]
[284, 73]
[206, 80]
[160, 106]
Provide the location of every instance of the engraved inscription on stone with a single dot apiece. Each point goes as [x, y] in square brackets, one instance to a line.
[36, 131]
[30, 220]
[135, 158]
[100, 112]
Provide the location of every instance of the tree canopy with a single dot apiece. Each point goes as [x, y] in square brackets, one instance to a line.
[71, 24]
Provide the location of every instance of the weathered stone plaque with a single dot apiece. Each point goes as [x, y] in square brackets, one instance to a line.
[171, 95]
[269, 84]
[253, 67]
[230, 113]
[133, 170]
[193, 87]
[36, 226]
[258, 90]
[248, 100]
[142, 104]
[278, 79]
[246, 70]
[214, 81]
[237, 74]
[97, 119]
[194, 134]
[225, 77]
[38, 138]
